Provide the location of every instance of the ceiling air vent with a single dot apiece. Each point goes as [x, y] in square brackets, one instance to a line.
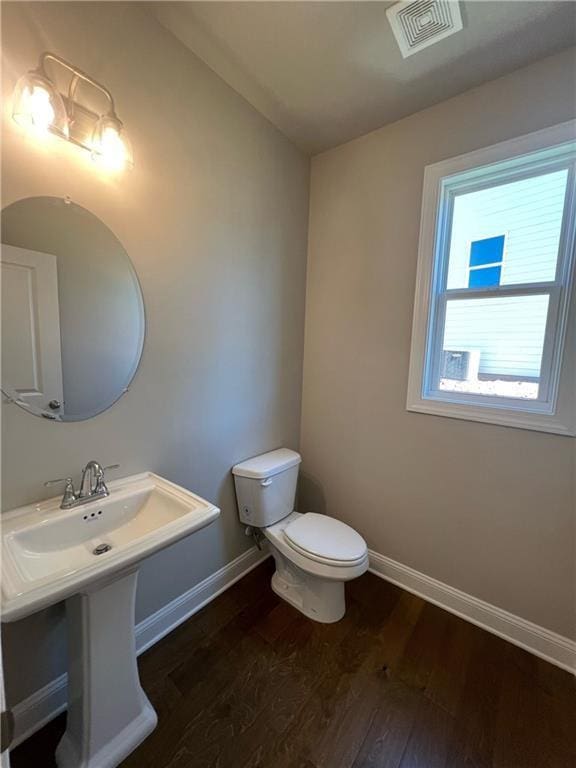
[419, 23]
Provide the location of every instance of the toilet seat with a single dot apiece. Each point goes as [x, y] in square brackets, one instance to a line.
[325, 540]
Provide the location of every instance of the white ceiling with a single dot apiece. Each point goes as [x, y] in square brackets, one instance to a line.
[326, 72]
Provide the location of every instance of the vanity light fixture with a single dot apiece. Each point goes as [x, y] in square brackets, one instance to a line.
[40, 107]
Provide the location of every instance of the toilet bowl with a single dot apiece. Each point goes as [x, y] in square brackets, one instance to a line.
[314, 554]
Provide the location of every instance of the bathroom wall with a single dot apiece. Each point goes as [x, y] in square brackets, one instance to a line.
[487, 509]
[214, 218]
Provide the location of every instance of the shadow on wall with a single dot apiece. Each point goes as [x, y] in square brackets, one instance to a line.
[44, 630]
[310, 495]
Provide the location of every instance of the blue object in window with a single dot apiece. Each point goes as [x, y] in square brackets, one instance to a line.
[487, 251]
[486, 277]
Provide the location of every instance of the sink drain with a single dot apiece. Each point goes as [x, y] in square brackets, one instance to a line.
[101, 548]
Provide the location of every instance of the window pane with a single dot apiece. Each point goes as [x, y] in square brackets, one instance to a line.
[523, 218]
[486, 277]
[494, 346]
[487, 251]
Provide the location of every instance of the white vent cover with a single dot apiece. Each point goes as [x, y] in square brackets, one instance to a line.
[419, 23]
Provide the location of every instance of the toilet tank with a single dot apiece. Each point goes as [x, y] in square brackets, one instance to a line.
[266, 487]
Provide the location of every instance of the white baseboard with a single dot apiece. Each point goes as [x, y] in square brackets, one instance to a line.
[548, 645]
[48, 702]
[38, 709]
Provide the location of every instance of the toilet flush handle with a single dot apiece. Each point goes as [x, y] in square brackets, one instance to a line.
[266, 483]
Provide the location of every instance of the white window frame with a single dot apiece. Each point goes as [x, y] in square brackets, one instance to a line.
[555, 409]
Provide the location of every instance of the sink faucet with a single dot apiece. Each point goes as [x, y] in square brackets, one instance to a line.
[91, 475]
[92, 486]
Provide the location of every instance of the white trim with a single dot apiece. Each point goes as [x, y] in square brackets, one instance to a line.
[38, 709]
[439, 179]
[542, 642]
[504, 418]
[46, 703]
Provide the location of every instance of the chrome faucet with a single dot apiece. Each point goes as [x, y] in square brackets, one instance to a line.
[92, 486]
[91, 475]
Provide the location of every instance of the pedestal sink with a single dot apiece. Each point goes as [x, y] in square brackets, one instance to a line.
[89, 556]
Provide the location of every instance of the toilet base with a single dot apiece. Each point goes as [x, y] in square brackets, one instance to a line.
[320, 599]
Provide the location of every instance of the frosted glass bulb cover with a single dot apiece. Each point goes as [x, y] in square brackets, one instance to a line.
[38, 106]
[111, 147]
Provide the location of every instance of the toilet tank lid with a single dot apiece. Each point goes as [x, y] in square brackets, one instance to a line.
[267, 464]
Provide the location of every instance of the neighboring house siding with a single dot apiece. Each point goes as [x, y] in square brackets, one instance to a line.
[508, 332]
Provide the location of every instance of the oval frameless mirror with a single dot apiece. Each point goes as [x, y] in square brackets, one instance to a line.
[72, 310]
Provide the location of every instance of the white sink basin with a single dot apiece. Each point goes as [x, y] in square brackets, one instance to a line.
[48, 553]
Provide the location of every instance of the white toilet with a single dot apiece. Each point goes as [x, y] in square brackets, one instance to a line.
[314, 554]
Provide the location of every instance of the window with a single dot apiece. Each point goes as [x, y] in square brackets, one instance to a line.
[485, 266]
[493, 335]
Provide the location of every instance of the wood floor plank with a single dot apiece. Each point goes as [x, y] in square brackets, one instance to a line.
[431, 738]
[398, 629]
[532, 728]
[217, 701]
[424, 647]
[249, 682]
[321, 652]
[477, 713]
[365, 683]
[271, 626]
[390, 729]
[446, 682]
[238, 723]
[344, 732]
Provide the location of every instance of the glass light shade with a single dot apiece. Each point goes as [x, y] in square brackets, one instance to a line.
[37, 105]
[111, 147]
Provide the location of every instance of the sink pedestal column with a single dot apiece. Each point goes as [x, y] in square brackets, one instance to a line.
[108, 712]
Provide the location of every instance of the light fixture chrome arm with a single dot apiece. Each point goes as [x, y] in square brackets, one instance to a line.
[77, 75]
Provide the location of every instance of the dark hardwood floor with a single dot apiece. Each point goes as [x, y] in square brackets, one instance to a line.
[398, 683]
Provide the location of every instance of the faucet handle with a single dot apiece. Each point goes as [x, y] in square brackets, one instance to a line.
[67, 480]
[100, 481]
[69, 492]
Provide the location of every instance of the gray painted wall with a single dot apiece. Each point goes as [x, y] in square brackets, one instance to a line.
[214, 218]
[487, 509]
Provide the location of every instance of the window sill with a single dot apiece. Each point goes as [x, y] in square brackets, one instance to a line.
[538, 422]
